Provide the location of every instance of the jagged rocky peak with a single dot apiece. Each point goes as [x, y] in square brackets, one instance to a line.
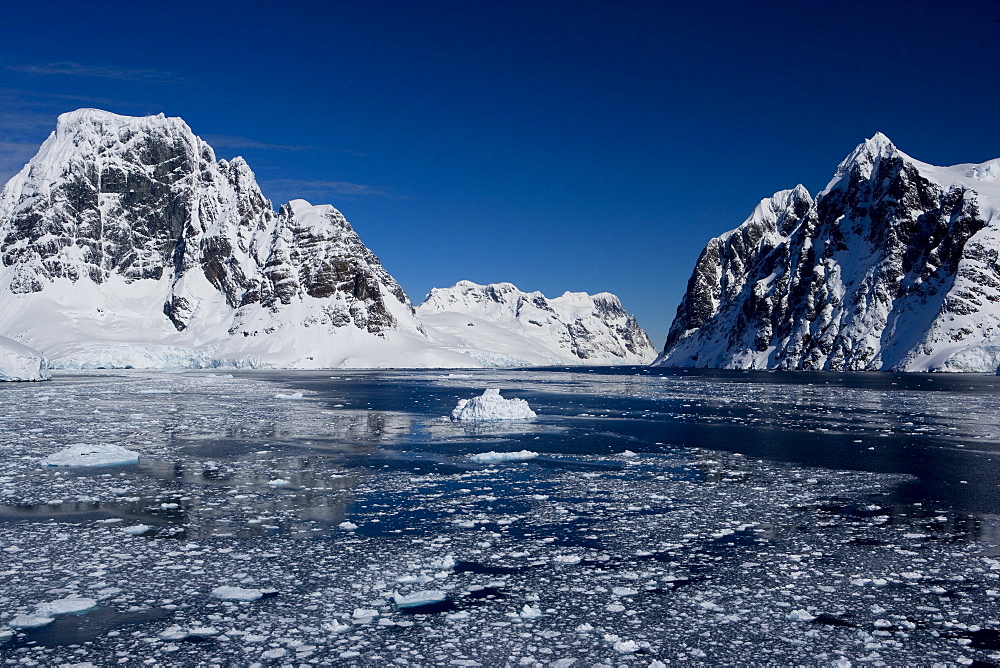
[109, 194]
[723, 267]
[893, 266]
[529, 328]
[141, 206]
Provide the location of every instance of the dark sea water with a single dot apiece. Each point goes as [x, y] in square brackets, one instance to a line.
[653, 517]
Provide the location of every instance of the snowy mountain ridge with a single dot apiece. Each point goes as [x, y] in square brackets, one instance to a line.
[125, 243]
[894, 266]
[500, 324]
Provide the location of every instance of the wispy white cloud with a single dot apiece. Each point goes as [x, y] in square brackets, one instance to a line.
[314, 186]
[72, 69]
[236, 142]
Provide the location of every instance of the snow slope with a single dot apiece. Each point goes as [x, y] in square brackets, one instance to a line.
[499, 325]
[894, 266]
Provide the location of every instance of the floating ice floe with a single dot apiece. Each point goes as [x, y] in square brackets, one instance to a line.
[92, 455]
[419, 598]
[347, 526]
[29, 621]
[19, 362]
[492, 457]
[175, 632]
[491, 407]
[236, 594]
[292, 397]
[45, 613]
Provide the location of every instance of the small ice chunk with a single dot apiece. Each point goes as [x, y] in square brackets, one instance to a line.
[626, 646]
[335, 627]
[491, 407]
[624, 591]
[530, 612]
[348, 526]
[173, 632]
[493, 457]
[280, 482]
[419, 598]
[226, 593]
[137, 529]
[291, 397]
[91, 455]
[801, 616]
[364, 615]
[447, 563]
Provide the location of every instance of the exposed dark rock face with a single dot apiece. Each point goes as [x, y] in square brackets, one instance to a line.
[892, 267]
[117, 198]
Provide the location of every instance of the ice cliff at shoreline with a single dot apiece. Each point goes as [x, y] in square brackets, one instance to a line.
[19, 362]
[893, 266]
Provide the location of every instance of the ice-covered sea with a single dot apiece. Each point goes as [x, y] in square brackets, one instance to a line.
[647, 517]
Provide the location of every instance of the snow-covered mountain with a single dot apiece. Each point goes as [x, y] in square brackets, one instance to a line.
[125, 243]
[893, 266]
[499, 325]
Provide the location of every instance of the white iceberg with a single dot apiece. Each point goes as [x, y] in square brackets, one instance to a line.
[419, 598]
[493, 457]
[92, 455]
[491, 407]
[19, 362]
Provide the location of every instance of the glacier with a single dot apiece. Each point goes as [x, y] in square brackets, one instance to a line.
[125, 243]
[893, 267]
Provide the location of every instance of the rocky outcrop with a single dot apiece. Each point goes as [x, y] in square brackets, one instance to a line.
[892, 267]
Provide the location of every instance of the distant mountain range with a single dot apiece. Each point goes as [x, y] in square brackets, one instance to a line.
[893, 266]
[125, 243]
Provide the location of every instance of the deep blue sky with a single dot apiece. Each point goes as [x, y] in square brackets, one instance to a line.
[559, 146]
